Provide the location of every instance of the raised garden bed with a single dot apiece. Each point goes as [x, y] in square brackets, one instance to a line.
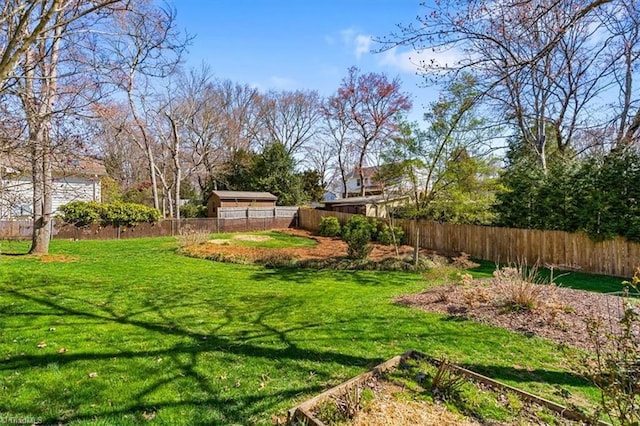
[414, 388]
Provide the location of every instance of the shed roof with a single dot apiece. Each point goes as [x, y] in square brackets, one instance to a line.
[244, 195]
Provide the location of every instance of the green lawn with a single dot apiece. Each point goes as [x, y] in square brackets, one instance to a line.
[155, 337]
[570, 279]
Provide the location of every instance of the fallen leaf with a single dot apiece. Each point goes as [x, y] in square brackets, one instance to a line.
[148, 416]
[52, 329]
[93, 374]
[42, 345]
[62, 350]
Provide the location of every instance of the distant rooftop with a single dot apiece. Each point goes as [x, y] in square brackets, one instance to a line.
[62, 165]
[244, 195]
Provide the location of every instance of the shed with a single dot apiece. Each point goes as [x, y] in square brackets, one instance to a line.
[219, 199]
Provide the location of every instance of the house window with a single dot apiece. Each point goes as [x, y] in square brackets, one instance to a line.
[358, 182]
[21, 210]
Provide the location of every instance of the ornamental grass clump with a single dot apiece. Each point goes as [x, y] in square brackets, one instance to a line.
[520, 287]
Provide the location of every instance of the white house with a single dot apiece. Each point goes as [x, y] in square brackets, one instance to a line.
[74, 179]
[373, 187]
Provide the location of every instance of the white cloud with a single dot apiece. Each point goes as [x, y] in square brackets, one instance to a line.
[354, 41]
[363, 45]
[413, 61]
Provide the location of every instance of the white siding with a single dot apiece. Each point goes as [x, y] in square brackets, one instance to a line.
[16, 194]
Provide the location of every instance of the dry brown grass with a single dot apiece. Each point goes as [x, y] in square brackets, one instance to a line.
[386, 410]
[57, 258]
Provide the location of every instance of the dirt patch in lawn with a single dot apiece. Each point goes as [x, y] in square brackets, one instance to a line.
[560, 314]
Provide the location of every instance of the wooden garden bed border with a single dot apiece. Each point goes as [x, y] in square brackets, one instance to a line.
[303, 411]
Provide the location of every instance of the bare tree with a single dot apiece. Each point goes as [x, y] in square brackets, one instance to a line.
[148, 47]
[339, 138]
[290, 118]
[23, 22]
[543, 64]
[42, 82]
[368, 103]
[223, 118]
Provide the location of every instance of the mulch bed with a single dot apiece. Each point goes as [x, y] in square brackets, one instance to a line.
[560, 315]
[326, 248]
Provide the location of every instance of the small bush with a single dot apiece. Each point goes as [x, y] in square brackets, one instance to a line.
[82, 213]
[386, 237]
[614, 364]
[357, 234]
[329, 227]
[192, 210]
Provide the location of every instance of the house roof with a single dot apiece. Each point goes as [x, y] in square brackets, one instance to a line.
[244, 195]
[62, 165]
[361, 201]
[355, 201]
[75, 165]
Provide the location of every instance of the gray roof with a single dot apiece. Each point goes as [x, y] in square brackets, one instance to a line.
[361, 201]
[244, 195]
[355, 201]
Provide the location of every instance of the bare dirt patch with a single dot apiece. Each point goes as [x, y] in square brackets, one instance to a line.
[561, 315]
[249, 237]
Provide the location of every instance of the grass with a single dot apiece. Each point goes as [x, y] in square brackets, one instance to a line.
[276, 240]
[152, 337]
[570, 279]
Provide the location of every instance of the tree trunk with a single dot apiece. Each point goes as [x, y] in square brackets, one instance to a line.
[416, 244]
[42, 181]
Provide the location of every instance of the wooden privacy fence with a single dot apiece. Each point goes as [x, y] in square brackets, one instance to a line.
[163, 228]
[565, 250]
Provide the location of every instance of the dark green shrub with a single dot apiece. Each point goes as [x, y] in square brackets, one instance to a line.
[357, 234]
[128, 214]
[81, 213]
[193, 210]
[384, 235]
[329, 227]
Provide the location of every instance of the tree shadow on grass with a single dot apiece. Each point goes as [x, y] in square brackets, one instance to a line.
[308, 276]
[524, 375]
[265, 341]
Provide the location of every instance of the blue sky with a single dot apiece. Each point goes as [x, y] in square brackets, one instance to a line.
[299, 44]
